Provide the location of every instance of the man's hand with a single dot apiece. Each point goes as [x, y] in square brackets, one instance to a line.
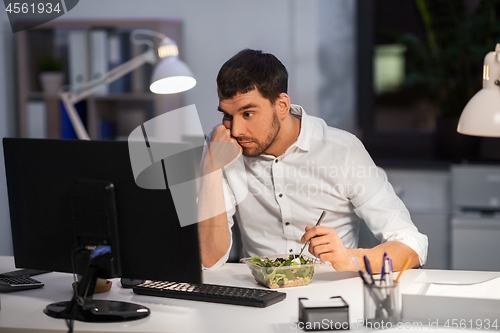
[223, 149]
[222, 134]
[327, 246]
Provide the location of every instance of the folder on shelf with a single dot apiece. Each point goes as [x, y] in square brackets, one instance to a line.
[67, 130]
[140, 78]
[36, 120]
[118, 52]
[78, 58]
[107, 129]
[99, 57]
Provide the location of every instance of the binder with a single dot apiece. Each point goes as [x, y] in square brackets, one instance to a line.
[78, 58]
[118, 51]
[36, 115]
[140, 77]
[99, 58]
[107, 129]
[67, 130]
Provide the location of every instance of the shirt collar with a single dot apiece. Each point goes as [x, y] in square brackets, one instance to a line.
[304, 139]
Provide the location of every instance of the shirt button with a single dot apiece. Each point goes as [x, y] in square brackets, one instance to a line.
[280, 195]
[287, 223]
[291, 250]
[276, 161]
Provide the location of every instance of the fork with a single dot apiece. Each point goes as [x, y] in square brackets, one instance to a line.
[297, 259]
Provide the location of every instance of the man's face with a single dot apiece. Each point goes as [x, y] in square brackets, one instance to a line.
[253, 121]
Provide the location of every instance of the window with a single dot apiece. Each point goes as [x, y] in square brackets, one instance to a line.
[418, 65]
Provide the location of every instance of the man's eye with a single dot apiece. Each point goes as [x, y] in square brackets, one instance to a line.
[227, 116]
[248, 114]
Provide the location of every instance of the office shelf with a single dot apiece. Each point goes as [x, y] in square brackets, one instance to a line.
[125, 109]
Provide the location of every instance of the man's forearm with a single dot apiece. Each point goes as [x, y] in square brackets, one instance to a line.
[213, 229]
[214, 239]
[397, 251]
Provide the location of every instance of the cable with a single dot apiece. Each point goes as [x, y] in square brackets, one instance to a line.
[77, 300]
[150, 43]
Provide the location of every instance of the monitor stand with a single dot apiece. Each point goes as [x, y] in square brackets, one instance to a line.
[83, 307]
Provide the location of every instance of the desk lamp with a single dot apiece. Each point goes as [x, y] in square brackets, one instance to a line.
[481, 115]
[170, 76]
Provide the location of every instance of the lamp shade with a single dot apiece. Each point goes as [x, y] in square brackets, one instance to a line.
[481, 116]
[171, 75]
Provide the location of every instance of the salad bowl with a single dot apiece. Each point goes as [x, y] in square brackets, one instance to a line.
[281, 271]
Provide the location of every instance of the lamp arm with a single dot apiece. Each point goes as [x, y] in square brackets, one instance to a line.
[69, 98]
[89, 88]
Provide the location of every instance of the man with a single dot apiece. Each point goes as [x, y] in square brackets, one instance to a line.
[295, 167]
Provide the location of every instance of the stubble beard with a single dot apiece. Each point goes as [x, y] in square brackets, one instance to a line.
[262, 147]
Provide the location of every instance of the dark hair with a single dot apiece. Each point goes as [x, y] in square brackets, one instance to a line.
[250, 69]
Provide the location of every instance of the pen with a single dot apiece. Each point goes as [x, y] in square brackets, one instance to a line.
[383, 266]
[405, 266]
[367, 279]
[368, 267]
[387, 272]
[391, 275]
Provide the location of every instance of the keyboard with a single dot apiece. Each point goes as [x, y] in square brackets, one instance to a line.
[210, 293]
[10, 283]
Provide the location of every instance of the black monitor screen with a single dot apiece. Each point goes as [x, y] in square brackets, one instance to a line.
[40, 175]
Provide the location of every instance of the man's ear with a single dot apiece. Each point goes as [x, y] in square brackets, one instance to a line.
[283, 105]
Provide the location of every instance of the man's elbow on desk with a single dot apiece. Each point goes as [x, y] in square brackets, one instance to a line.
[214, 239]
[211, 263]
[397, 251]
[212, 256]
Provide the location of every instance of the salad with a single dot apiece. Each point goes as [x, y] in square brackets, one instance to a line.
[282, 272]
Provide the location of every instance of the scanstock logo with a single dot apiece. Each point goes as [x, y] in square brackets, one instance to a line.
[36, 11]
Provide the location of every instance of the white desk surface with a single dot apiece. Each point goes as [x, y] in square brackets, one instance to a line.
[23, 311]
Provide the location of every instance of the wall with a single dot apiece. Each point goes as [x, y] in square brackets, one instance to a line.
[7, 124]
[281, 27]
[426, 194]
[295, 31]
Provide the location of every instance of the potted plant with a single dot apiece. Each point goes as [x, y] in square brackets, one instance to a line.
[51, 74]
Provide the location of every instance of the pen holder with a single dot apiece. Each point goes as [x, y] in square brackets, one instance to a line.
[382, 305]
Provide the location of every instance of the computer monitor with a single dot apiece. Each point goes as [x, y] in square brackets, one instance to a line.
[65, 194]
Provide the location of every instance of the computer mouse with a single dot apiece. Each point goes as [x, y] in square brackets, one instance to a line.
[130, 283]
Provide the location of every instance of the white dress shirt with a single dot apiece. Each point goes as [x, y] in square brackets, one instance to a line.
[274, 199]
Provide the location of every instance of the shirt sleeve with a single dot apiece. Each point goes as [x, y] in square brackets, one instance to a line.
[375, 201]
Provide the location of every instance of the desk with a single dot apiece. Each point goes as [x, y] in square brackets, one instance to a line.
[23, 311]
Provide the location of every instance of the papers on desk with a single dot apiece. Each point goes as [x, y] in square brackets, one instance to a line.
[442, 303]
[486, 289]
